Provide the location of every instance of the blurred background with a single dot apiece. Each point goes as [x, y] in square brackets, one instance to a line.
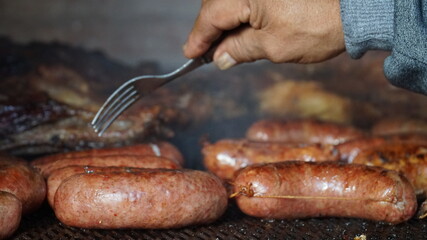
[127, 30]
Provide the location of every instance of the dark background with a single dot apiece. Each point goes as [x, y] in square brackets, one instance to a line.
[127, 30]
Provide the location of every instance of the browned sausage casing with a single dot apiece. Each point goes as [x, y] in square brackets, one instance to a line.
[225, 157]
[10, 214]
[59, 175]
[159, 149]
[422, 211]
[23, 181]
[152, 198]
[364, 192]
[110, 161]
[409, 159]
[349, 150]
[302, 131]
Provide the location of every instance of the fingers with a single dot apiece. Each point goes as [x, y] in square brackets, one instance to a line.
[215, 17]
[240, 46]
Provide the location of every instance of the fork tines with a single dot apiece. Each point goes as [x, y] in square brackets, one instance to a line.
[132, 90]
[118, 102]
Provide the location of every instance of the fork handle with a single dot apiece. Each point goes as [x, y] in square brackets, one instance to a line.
[193, 64]
[208, 56]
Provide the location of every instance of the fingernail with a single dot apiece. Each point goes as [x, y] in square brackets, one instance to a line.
[225, 61]
[184, 47]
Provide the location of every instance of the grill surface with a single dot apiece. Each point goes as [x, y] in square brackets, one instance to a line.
[233, 225]
[243, 86]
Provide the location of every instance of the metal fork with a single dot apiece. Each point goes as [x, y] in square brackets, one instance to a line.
[138, 87]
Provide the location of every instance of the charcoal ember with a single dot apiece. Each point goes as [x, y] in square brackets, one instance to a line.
[49, 93]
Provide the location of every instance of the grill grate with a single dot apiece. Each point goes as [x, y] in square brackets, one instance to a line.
[233, 225]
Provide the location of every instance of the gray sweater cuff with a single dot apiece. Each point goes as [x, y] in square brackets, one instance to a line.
[368, 25]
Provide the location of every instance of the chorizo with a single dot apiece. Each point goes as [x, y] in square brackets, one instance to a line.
[152, 198]
[10, 214]
[422, 211]
[350, 149]
[110, 161]
[23, 181]
[159, 149]
[291, 190]
[59, 175]
[302, 131]
[225, 157]
[409, 159]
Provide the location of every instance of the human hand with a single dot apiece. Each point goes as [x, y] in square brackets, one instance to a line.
[298, 31]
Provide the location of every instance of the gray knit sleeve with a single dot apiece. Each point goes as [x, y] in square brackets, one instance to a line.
[368, 25]
[407, 65]
[398, 26]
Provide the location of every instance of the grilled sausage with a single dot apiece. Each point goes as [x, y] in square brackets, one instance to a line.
[299, 190]
[422, 211]
[302, 131]
[409, 159]
[153, 198]
[399, 125]
[59, 175]
[110, 161]
[159, 149]
[227, 156]
[349, 150]
[23, 181]
[10, 214]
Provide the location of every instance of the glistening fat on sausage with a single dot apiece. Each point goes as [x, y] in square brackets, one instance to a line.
[158, 149]
[110, 161]
[59, 175]
[300, 189]
[152, 198]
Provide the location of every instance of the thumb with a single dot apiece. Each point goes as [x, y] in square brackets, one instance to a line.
[238, 47]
